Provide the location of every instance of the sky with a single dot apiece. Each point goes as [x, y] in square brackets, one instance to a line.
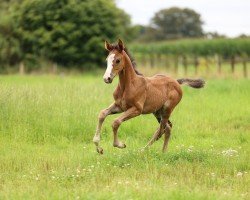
[228, 17]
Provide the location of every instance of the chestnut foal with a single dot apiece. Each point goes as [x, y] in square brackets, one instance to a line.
[136, 95]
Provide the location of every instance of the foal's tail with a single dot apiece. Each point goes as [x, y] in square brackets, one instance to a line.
[194, 83]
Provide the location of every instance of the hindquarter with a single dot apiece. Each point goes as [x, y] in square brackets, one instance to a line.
[162, 92]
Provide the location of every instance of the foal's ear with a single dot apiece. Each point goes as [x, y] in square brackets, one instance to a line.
[121, 45]
[108, 46]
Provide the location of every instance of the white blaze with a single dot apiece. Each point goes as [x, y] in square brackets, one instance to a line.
[110, 59]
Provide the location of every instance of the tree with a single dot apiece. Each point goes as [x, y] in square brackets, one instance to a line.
[10, 53]
[177, 23]
[69, 32]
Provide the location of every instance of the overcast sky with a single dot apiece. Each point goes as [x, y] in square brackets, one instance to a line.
[229, 17]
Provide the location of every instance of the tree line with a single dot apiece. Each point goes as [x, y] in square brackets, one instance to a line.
[71, 32]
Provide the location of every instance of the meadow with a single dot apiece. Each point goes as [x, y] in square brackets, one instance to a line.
[46, 152]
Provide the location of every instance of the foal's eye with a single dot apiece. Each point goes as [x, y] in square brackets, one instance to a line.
[117, 61]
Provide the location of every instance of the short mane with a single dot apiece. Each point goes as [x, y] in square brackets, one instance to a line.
[115, 46]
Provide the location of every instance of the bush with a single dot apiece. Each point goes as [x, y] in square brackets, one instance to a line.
[69, 32]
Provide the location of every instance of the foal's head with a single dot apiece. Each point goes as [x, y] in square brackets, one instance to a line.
[115, 60]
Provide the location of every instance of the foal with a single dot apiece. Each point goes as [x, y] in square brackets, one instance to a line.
[136, 95]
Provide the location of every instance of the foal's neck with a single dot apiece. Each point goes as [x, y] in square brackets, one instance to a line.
[127, 75]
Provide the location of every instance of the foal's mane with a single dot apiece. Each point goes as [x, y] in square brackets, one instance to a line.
[116, 46]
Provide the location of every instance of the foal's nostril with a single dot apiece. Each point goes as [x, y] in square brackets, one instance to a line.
[107, 80]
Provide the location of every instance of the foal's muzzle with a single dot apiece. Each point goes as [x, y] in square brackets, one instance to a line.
[108, 80]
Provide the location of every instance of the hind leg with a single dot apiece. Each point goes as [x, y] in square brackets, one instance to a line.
[157, 135]
[153, 139]
[157, 132]
[169, 123]
[167, 110]
[167, 133]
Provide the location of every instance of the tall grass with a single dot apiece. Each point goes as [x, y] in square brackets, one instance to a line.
[46, 129]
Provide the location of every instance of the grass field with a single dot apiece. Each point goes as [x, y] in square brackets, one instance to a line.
[46, 151]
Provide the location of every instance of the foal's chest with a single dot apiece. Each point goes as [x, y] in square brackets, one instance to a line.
[123, 99]
[122, 102]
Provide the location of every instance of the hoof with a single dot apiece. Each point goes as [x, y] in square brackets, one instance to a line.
[120, 145]
[99, 150]
[96, 140]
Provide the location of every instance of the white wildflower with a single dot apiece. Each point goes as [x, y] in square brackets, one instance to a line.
[239, 174]
[230, 152]
[213, 174]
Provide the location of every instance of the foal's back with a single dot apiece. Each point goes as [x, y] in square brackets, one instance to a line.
[161, 91]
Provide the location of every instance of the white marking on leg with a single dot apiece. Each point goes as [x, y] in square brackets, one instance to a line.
[108, 72]
[166, 105]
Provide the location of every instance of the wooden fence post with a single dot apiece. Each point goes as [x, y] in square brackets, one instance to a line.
[184, 60]
[245, 67]
[219, 64]
[166, 61]
[152, 60]
[196, 63]
[143, 60]
[176, 62]
[158, 60]
[233, 64]
[21, 68]
[54, 68]
[207, 65]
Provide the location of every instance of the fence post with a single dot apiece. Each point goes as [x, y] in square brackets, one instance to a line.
[207, 65]
[152, 60]
[218, 61]
[196, 63]
[245, 67]
[54, 68]
[184, 60]
[165, 61]
[143, 60]
[21, 68]
[176, 62]
[158, 60]
[233, 64]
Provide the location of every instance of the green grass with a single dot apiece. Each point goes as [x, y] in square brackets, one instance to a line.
[46, 151]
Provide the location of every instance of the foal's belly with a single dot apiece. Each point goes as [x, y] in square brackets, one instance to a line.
[154, 101]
